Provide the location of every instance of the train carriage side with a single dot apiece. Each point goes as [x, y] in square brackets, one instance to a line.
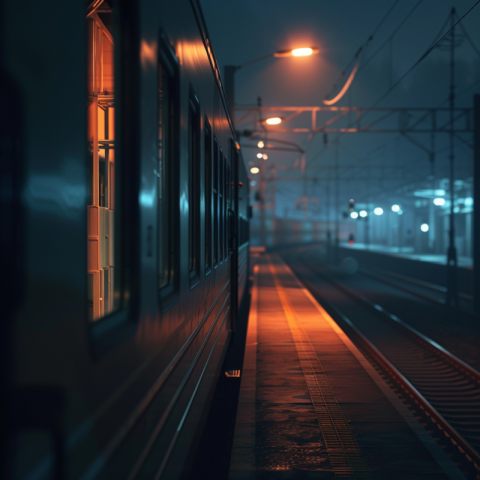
[127, 194]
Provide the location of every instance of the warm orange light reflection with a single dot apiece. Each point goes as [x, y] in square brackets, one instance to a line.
[237, 145]
[260, 144]
[265, 156]
[273, 121]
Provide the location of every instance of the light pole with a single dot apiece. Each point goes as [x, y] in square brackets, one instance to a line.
[229, 78]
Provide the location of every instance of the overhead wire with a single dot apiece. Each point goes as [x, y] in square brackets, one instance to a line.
[363, 48]
[420, 60]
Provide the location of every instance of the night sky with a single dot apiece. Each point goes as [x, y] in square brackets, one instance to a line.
[244, 30]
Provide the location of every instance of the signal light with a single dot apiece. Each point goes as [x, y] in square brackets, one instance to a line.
[351, 239]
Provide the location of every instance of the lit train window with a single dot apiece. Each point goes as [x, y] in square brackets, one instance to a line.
[104, 294]
[216, 160]
[194, 184]
[208, 197]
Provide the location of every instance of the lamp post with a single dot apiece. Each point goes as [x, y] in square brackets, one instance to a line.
[229, 78]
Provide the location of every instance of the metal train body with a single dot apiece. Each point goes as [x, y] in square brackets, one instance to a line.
[127, 255]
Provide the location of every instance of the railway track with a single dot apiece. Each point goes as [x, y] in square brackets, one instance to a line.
[445, 389]
[412, 284]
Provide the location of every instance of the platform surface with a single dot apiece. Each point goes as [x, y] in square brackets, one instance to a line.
[310, 405]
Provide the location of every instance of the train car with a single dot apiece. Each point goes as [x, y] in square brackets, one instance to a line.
[124, 244]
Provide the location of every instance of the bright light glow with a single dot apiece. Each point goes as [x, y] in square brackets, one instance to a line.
[424, 227]
[378, 211]
[260, 144]
[259, 155]
[395, 208]
[363, 213]
[273, 121]
[354, 215]
[440, 192]
[264, 156]
[400, 212]
[439, 201]
[456, 209]
[254, 170]
[469, 202]
[302, 52]
[237, 145]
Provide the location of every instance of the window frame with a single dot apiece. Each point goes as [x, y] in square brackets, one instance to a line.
[194, 187]
[168, 294]
[208, 195]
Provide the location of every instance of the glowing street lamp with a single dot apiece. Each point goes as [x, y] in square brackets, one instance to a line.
[259, 155]
[273, 120]
[424, 227]
[354, 215]
[439, 201]
[395, 208]
[260, 144]
[297, 52]
[265, 156]
[363, 213]
[378, 211]
[254, 170]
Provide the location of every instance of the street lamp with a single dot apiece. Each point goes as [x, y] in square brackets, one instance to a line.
[230, 70]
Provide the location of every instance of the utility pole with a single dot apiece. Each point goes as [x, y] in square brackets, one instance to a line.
[452, 270]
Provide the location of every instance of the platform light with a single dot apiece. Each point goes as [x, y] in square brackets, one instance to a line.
[265, 156]
[439, 201]
[363, 213]
[469, 202]
[395, 208]
[273, 121]
[260, 144]
[378, 211]
[254, 170]
[259, 155]
[424, 227]
[456, 209]
[354, 214]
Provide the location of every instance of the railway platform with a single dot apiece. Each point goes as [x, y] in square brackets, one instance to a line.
[311, 405]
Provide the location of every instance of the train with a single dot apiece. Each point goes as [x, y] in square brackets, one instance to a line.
[125, 237]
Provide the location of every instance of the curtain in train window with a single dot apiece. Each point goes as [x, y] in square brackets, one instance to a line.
[165, 178]
[103, 277]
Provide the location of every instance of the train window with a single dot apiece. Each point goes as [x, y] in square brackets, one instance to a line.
[208, 197]
[166, 173]
[221, 185]
[103, 265]
[216, 160]
[194, 184]
[227, 209]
